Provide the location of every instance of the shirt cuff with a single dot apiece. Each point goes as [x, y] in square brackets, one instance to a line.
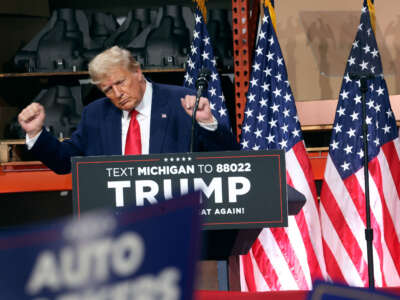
[30, 142]
[210, 126]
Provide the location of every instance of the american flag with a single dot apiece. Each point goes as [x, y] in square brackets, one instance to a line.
[342, 206]
[281, 258]
[201, 56]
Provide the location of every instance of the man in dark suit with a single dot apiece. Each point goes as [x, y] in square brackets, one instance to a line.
[163, 113]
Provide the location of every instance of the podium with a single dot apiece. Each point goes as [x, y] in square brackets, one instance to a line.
[243, 192]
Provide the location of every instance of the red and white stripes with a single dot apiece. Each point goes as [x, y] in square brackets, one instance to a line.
[289, 258]
[343, 220]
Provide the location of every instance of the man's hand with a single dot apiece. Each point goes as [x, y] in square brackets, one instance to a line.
[203, 113]
[31, 119]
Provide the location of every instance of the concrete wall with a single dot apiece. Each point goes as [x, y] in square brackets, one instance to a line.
[316, 37]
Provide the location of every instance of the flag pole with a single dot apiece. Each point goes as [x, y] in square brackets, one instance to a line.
[369, 232]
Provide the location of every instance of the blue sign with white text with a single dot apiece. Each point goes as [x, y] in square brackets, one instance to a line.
[241, 189]
[147, 253]
[332, 291]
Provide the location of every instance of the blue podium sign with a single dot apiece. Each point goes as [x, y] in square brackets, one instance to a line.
[146, 253]
[241, 189]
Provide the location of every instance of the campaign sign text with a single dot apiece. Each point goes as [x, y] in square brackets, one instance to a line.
[146, 253]
[240, 189]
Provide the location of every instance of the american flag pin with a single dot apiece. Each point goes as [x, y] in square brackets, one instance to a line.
[163, 116]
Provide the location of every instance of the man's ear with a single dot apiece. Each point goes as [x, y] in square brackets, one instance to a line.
[140, 74]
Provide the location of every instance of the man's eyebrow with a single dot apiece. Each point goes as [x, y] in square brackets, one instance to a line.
[106, 89]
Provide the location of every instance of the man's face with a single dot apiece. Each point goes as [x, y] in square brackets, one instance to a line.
[124, 88]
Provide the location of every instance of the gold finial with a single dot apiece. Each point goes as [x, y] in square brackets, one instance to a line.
[202, 6]
[371, 9]
[271, 9]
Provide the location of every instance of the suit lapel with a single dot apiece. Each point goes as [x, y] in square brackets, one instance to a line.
[159, 120]
[112, 130]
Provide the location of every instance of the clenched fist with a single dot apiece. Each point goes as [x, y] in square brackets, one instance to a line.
[31, 119]
[203, 114]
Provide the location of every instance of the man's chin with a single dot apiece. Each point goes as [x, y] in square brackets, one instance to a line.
[126, 106]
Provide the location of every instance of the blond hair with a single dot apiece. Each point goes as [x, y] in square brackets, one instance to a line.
[113, 57]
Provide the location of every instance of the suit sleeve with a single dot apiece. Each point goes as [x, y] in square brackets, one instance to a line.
[219, 140]
[57, 155]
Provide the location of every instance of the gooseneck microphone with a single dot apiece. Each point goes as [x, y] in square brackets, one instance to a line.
[363, 77]
[201, 85]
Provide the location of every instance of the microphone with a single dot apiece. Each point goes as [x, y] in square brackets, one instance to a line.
[202, 79]
[201, 84]
[361, 75]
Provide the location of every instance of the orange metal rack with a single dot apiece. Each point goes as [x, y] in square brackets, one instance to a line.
[35, 177]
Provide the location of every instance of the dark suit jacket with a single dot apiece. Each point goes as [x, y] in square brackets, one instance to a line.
[99, 131]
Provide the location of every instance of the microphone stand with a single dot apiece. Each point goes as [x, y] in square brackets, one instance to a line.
[201, 84]
[369, 233]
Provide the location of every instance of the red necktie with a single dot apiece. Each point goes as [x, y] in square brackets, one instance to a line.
[133, 145]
